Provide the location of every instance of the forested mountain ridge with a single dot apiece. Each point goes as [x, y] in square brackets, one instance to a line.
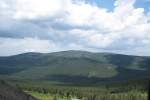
[72, 66]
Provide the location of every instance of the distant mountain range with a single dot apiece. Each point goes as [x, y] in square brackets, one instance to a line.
[75, 67]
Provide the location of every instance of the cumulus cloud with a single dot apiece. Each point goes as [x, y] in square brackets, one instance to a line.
[76, 23]
[11, 46]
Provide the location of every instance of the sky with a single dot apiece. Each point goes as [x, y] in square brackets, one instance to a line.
[117, 26]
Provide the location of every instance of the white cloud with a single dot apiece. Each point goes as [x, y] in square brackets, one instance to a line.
[37, 8]
[9, 46]
[12, 46]
[126, 27]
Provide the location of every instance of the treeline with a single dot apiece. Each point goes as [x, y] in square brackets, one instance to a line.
[118, 92]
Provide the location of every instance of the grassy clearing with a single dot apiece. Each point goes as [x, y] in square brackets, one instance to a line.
[40, 96]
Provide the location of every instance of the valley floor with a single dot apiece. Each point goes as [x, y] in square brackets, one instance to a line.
[133, 95]
[132, 90]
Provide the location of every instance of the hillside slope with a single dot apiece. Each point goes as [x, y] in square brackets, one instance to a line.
[74, 66]
[8, 92]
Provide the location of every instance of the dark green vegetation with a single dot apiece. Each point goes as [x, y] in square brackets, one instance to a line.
[131, 90]
[8, 92]
[135, 90]
[69, 75]
[75, 67]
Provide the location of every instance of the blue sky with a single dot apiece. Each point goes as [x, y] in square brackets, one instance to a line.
[109, 4]
[118, 26]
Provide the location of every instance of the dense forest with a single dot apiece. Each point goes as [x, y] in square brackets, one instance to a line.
[133, 90]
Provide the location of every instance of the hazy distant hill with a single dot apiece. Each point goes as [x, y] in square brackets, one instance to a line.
[8, 92]
[75, 66]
